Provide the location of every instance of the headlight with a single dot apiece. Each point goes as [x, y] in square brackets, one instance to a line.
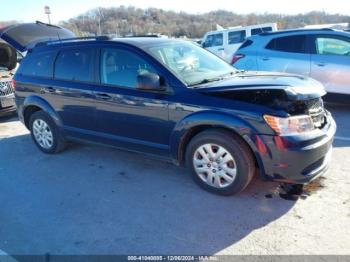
[290, 125]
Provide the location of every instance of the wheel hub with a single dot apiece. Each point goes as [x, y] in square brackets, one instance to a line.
[42, 133]
[215, 165]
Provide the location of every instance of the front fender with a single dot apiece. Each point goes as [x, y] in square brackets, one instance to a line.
[39, 102]
[239, 125]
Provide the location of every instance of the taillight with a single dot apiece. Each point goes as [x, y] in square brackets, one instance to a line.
[235, 58]
[14, 84]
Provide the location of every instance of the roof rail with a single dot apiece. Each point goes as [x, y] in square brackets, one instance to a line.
[64, 40]
[296, 31]
[151, 35]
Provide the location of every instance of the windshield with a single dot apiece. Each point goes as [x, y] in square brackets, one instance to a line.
[191, 63]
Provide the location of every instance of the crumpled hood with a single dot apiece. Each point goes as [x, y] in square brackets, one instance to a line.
[296, 87]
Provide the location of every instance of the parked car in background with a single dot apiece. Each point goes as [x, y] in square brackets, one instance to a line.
[175, 100]
[8, 63]
[224, 43]
[10, 57]
[323, 54]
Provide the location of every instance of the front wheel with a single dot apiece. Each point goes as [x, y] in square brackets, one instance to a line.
[220, 162]
[45, 133]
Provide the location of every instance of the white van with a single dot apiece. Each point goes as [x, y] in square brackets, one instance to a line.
[224, 43]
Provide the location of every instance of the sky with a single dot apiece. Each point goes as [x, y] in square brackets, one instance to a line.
[31, 10]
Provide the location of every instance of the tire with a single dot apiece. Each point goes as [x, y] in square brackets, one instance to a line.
[231, 176]
[42, 121]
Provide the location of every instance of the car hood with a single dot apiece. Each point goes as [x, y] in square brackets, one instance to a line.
[25, 36]
[295, 87]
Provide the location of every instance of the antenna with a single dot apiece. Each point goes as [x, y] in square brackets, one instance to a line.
[58, 35]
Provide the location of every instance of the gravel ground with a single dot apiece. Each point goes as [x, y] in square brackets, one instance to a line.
[96, 200]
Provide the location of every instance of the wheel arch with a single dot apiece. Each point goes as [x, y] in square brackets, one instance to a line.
[33, 104]
[190, 126]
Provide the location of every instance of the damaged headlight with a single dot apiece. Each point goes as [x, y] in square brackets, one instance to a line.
[290, 125]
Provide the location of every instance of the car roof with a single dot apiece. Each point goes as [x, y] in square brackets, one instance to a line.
[139, 42]
[240, 28]
[304, 31]
[145, 41]
[263, 38]
[288, 31]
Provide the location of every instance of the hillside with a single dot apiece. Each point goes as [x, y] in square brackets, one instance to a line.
[130, 20]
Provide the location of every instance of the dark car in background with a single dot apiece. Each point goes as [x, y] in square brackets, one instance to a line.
[8, 63]
[323, 54]
[177, 101]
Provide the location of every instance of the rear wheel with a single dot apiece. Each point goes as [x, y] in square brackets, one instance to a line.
[220, 162]
[45, 133]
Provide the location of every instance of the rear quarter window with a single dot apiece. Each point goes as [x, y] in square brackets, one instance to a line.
[38, 64]
[246, 44]
[75, 65]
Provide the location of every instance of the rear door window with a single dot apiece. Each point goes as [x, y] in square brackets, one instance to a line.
[75, 65]
[236, 37]
[38, 64]
[291, 44]
[214, 40]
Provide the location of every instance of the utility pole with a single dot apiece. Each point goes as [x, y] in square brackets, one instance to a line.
[48, 12]
[99, 21]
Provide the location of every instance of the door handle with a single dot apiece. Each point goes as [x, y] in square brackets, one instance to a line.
[265, 58]
[103, 96]
[321, 63]
[221, 49]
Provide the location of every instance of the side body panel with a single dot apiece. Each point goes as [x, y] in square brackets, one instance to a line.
[333, 71]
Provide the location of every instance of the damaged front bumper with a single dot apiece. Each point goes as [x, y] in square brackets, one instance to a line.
[296, 159]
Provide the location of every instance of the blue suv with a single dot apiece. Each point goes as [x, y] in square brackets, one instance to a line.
[175, 100]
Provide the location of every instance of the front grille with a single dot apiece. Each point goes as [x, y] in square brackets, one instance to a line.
[316, 111]
[6, 88]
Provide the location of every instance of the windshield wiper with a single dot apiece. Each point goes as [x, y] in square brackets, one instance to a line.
[206, 80]
[222, 77]
[231, 73]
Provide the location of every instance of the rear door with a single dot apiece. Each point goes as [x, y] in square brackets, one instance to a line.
[71, 91]
[330, 62]
[288, 54]
[25, 36]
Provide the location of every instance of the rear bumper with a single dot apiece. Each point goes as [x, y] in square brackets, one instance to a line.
[297, 159]
[7, 105]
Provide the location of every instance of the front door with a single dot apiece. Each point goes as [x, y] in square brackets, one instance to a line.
[126, 116]
[330, 63]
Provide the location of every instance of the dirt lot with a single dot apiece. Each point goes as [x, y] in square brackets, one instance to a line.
[96, 200]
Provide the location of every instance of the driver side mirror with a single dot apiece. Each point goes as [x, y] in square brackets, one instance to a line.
[149, 81]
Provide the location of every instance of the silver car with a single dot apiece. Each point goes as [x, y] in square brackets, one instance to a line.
[322, 54]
